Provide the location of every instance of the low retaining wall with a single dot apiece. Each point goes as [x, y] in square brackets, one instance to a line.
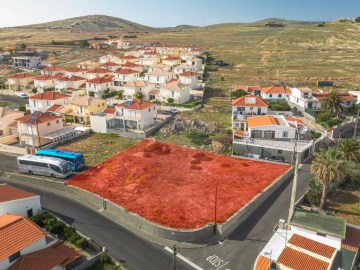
[203, 235]
[12, 149]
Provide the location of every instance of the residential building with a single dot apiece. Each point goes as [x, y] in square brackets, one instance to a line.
[189, 78]
[131, 88]
[123, 45]
[66, 83]
[254, 90]
[133, 66]
[88, 65]
[52, 71]
[127, 58]
[171, 61]
[8, 122]
[183, 68]
[27, 62]
[18, 202]
[20, 236]
[34, 127]
[195, 63]
[111, 66]
[312, 241]
[148, 61]
[43, 101]
[275, 92]
[247, 106]
[158, 77]
[79, 72]
[303, 98]
[83, 107]
[99, 85]
[20, 81]
[133, 114]
[44, 82]
[122, 76]
[272, 137]
[180, 93]
[109, 58]
[159, 67]
[347, 100]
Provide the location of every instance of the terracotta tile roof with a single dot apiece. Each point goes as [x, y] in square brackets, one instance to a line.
[276, 90]
[131, 65]
[136, 104]
[53, 68]
[83, 85]
[188, 74]
[99, 70]
[49, 95]
[264, 120]
[100, 80]
[86, 101]
[48, 258]
[17, 233]
[174, 85]
[39, 119]
[352, 239]
[172, 58]
[21, 76]
[297, 260]
[129, 57]
[138, 83]
[159, 73]
[10, 193]
[109, 111]
[54, 108]
[72, 79]
[293, 119]
[46, 78]
[126, 71]
[249, 101]
[311, 245]
[262, 263]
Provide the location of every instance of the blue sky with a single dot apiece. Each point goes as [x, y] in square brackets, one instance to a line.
[161, 13]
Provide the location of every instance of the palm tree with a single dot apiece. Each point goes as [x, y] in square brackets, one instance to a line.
[349, 149]
[329, 167]
[332, 104]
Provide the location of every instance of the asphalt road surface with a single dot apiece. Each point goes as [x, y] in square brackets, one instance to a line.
[14, 99]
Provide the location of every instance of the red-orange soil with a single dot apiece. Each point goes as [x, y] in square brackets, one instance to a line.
[175, 186]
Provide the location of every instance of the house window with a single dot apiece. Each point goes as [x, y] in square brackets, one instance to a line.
[48, 103]
[49, 124]
[251, 108]
[57, 121]
[321, 234]
[279, 152]
[285, 134]
[279, 95]
[14, 256]
[149, 109]
[270, 95]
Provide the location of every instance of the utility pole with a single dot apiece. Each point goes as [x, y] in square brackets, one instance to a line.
[174, 257]
[293, 191]
[356, 124]
[215, 207]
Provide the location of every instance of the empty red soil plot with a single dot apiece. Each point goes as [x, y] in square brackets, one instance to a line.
[175, 186]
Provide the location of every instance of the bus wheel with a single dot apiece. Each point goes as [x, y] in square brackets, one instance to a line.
[52, 175]
[30, 172]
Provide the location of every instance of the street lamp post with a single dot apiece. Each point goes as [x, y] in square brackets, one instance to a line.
[215, 206]
[174, 257]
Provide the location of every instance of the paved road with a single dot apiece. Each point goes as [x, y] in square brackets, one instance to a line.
[130, 249]
[240, 250]
[14, 99]
[8, 163]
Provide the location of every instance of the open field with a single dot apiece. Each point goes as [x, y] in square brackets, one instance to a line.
[98, 147]
[346, 204]
[176, 186]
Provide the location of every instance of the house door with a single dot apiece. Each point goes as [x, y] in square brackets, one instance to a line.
[30, 213]
[259, 111]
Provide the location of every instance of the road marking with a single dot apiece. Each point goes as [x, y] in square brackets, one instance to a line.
[216, 261]
[184, 259]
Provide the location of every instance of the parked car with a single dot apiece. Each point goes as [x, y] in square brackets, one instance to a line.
[174, 111]
[22, 95]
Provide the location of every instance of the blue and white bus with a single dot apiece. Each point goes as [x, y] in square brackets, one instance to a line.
[77, 159]
[47, 166]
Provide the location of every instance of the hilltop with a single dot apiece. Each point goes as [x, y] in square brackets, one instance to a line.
[92, 23]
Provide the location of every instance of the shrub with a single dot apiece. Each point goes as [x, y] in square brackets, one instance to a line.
[238, 93]
[325, 119]
[91, 93]
[198, 137]
[69, 231]
[34, 90]
[22, 108]
[81, 243]
[170, 100]
[279, 105]
[317, 135]
[139, 95]
[54, 226]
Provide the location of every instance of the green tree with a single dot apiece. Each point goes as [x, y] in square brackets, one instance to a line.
[357, 20]
[330, 169]
[119, 94]
[349, 149]
[34, 90]
[238, 93]
[22, 46]
[84, 44]
[332, 104]
[170, 100]
[139, 95]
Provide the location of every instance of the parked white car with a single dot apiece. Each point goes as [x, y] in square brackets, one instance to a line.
[22, 95]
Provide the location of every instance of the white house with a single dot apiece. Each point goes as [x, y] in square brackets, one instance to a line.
[247, 106]
[19, 202]
[27, 62]
[43, 101]
[183, 68]
[73, 82]
[303, 98]
[148, 61]
[123, 76]
[127, 58]
[195, 63]
[275, 92]
[158, 77]
[172, 61]
[44, 82]
[20, 81]
[80, 72]
[133, 66]
[109, 58]
[159, 67]
[52, 70]
[99, 85]
[133, 87]
[179, 92]
[189, 78]
[98, 73]
[111, 66]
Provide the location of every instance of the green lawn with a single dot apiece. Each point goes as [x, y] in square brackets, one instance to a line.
[98, 147]
[346, 204]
